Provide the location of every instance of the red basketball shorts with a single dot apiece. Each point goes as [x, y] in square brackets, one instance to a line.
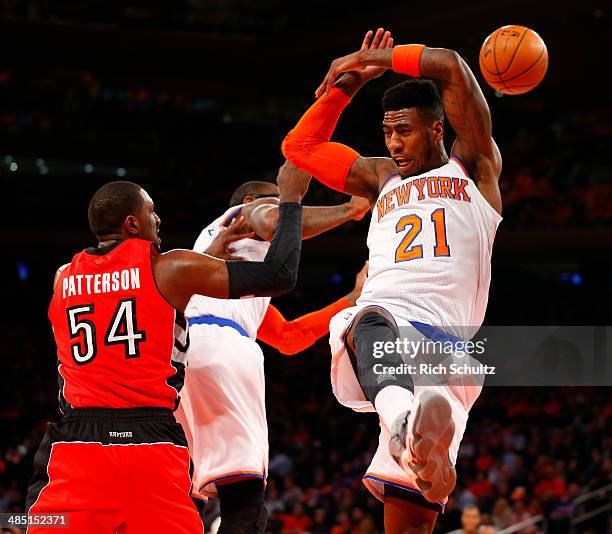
[110, 471]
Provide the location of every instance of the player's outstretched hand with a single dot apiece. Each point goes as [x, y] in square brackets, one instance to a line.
[234, 231]
[292, 182]
[360, 279]
[353, 62]
[359, 206]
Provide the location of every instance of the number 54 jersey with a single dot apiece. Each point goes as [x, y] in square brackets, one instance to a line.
[119, 343]
[430, 240]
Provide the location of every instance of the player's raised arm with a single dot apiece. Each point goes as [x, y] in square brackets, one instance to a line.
[463, 101]
[338, 166]
[179, 274]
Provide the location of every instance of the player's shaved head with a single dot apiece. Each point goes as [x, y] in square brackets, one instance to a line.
[418, 93]
[111, 204]
[254, 189]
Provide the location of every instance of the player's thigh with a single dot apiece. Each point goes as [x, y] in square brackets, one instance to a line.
[160, 491]
[79, 482]
[403, 517]
[76, 476]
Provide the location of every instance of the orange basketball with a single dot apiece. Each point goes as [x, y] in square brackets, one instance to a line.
[513, 60]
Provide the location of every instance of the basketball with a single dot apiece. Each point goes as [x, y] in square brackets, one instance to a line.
[513, 60]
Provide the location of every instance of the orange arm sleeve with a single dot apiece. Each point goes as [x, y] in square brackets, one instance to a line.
[291, 337]
[308, 145]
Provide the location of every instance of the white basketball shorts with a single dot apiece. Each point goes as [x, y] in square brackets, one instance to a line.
[222, 408]
[383, 470]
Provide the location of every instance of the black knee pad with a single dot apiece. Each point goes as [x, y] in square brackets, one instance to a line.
[243, 509]
[373, 330]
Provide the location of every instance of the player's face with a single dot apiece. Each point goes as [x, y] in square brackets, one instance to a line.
[148, 220]
[409, 139]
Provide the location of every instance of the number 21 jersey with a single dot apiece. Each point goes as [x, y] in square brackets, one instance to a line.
[430, 240]
[119, 343]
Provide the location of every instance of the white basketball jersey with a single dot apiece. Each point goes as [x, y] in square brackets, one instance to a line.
[430, 240]
[247, 312]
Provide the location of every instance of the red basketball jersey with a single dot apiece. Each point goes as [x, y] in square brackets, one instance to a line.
[119, 343]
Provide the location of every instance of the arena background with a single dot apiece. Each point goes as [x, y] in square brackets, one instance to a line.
[190, 98]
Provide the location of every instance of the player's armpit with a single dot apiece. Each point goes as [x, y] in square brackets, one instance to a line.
[486, 172]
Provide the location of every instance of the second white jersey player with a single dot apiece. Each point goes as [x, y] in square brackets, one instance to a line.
[224, 390]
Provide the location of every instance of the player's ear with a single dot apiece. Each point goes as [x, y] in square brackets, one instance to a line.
[131, 225]
[247, 199]
[437, 130]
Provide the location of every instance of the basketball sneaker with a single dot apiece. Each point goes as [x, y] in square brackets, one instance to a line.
[420, 439]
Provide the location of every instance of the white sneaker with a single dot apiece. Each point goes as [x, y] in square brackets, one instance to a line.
[429, 431]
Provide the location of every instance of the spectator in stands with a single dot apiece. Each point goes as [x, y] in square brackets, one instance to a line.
[470, 521]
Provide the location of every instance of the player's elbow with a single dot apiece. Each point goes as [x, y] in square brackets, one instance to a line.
[287, 348]
[264, 221]
[293, 340]
[455, 64]
[285, 280]
[279, 277]
[295, 149]
[269, 224]
[288, 146]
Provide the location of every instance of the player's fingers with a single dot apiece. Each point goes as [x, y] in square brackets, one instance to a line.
[385, 39]
[239, 223]
[377, 38]
[325, 83]
[390, 42]
[366, 40]
[323, 87]
[320, 90]
[239, 237]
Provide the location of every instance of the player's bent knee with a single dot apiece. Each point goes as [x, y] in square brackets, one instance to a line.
[372, 346]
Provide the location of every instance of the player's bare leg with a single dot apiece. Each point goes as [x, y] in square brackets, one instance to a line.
[402, 517]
